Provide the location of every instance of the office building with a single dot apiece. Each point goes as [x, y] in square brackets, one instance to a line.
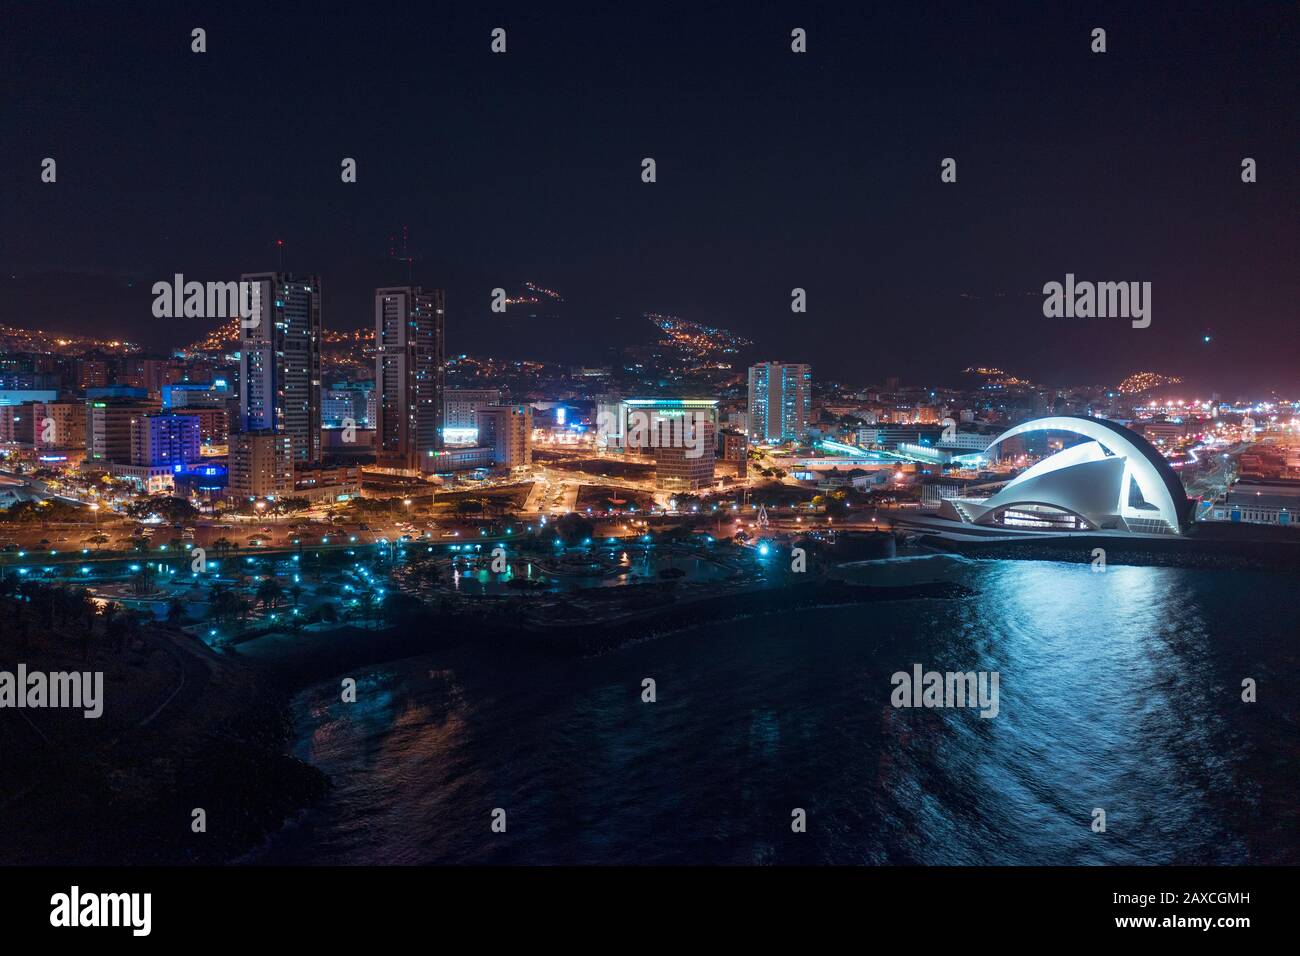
[733, 448]
[332, 482]
[508, 431]
[260, 465]
[687, 463]
[165, 439]
[891, 436]
[1163, 433]
[349, 401]
[109, 426]
[460, 412]
[780, 401]
[15, 423]
[280, 361]
[460, 458]
[60, 425]
[637, 426]
[408, 374]
[212, 394]
[214, 423]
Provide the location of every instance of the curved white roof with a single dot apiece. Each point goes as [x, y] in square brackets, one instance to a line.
[1092, 479]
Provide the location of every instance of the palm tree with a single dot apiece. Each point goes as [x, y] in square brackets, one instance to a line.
[269, 593]
[143, 582]
[223, 604]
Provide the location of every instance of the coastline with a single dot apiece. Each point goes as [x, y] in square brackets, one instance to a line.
[1210, 550]
[298, 662]
[221, 738]
[600, 637]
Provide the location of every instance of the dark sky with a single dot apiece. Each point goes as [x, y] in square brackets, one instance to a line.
[775, 170]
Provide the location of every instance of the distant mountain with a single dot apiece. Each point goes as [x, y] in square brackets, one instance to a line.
[83, 304]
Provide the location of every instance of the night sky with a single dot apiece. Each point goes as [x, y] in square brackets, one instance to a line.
[775, 170]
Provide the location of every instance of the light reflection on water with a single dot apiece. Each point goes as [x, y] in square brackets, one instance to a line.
[1119, 690]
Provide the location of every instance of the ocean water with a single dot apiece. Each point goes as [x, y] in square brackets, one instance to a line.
[1120, 691]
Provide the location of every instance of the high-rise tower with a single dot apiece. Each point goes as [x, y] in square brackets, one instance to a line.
[280, 362]
[780, 401]
[408, 374]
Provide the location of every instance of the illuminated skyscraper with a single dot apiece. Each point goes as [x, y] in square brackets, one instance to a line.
[408, 374]
[780, 401]
[280, 370]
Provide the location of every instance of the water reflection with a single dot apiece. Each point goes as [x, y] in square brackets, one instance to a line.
[1119, 691]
